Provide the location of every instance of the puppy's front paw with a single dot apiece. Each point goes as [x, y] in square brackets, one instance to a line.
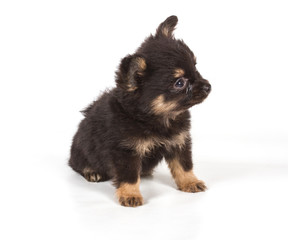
[129, 194]
[194, 186]
[131, 201]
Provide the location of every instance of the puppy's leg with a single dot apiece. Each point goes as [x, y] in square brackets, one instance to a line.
[181, 168]
[129, 194]
[149, 163]
[127, 182]
[185, 179]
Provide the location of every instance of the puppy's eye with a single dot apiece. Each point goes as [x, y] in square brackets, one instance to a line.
[180, 83]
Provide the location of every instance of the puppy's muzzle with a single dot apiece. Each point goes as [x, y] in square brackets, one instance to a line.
[206, 88]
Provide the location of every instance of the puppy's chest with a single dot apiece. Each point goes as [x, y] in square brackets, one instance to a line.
[143, 145]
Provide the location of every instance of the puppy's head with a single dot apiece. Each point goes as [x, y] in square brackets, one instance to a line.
[162, 76]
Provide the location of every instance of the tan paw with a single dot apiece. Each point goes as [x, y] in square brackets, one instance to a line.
[195, 186]
[131, 201]
[129, 194]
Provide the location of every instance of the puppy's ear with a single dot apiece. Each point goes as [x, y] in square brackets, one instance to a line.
[167, 27]
[131, 70]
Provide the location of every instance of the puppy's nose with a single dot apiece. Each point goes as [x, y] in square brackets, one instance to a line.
[206, 88]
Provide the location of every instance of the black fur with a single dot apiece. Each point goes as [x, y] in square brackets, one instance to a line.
[107, 138]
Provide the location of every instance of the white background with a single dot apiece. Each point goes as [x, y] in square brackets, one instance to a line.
[57, 56]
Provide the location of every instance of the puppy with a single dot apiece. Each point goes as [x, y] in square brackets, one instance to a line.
[145, 118]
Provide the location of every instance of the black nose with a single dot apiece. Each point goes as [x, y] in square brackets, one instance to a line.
[206, 88]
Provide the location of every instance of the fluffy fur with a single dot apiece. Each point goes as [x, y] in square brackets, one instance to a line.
[145, 118]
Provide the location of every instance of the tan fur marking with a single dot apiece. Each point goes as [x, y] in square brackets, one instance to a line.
[141, 63]
[160, 106]
[131, 88]
[137, 66]
[181, 138]
[185, 180]
[165, 31]
[167, 109]
[129, 194]
[178, 72]
[129, 189]
[144, 146]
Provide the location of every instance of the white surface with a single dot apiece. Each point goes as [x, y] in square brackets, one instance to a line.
[49, 201]
[56, 57]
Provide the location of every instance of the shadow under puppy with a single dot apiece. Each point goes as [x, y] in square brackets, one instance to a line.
[129, 129]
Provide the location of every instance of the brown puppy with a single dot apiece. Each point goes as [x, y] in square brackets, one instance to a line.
[128, 130]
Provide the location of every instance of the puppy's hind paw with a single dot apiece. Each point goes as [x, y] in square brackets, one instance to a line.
[90, 175]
